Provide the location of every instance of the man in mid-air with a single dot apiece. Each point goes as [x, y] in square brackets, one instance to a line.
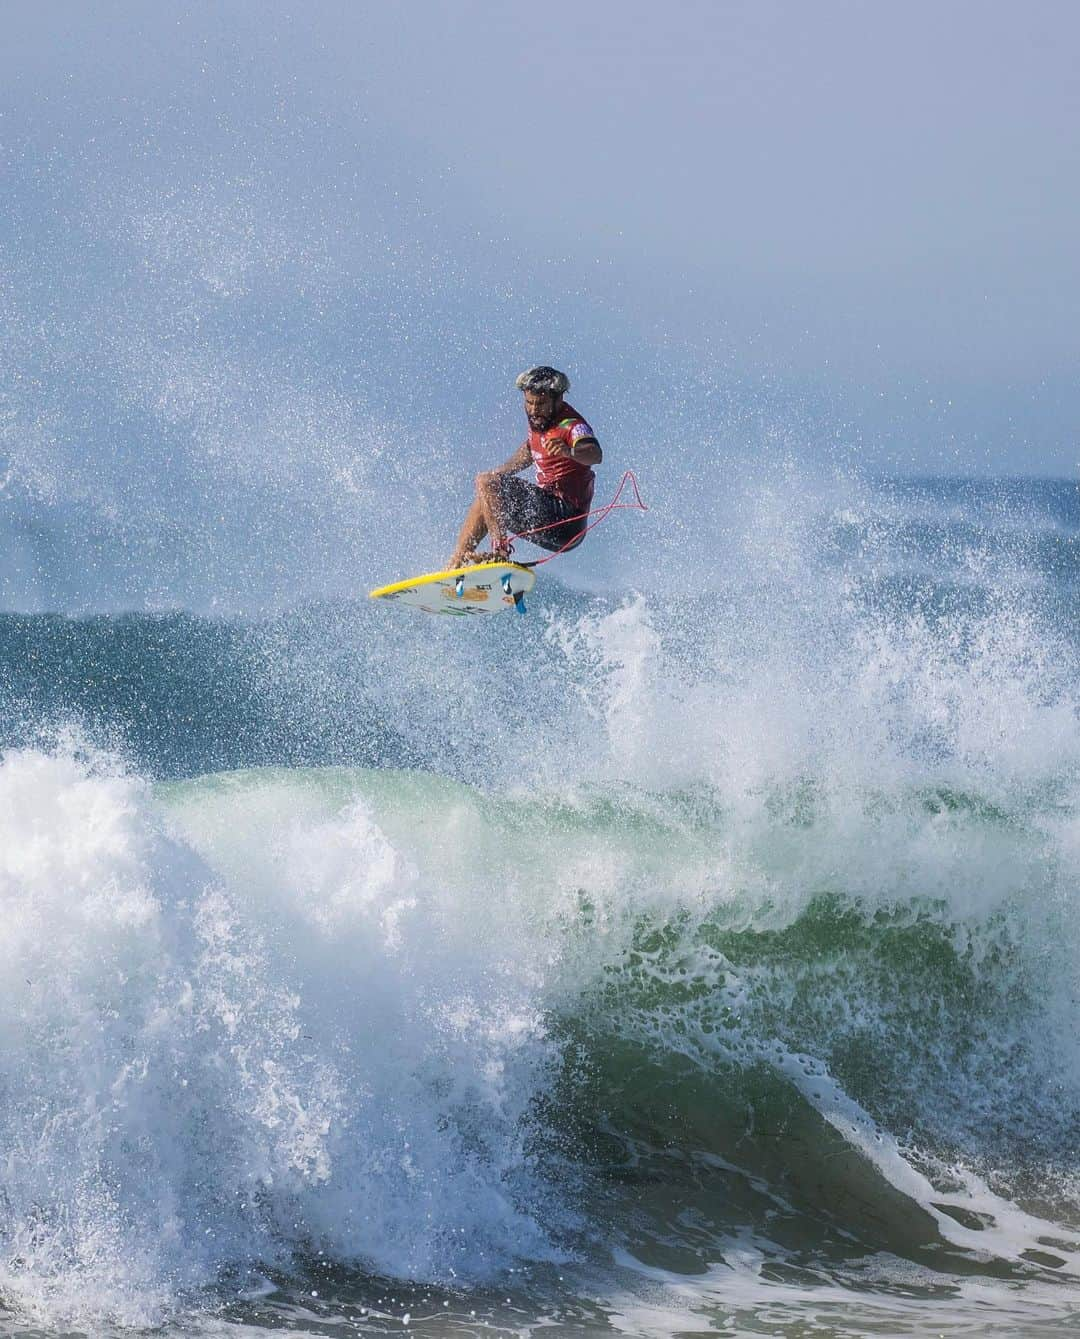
[563, 448]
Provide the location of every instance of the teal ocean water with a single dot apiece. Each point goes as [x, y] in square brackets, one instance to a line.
[694, 955]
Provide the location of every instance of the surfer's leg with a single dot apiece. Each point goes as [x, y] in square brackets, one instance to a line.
[484, 517]
[489, 496]
[472, 532]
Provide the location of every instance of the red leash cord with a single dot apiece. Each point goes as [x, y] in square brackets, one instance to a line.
[601, 514]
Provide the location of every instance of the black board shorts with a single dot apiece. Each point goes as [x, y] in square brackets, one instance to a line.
[526, 507]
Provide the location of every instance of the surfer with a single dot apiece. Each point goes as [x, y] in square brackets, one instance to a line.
[553, 511]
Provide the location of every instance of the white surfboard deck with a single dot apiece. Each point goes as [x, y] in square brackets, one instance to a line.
[480, 588]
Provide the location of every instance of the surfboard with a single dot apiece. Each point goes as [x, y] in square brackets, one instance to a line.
[480, 588]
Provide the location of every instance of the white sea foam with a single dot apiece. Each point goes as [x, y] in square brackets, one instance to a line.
[265, 1034]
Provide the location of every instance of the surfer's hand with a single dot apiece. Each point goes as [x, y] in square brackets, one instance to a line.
[555, 446]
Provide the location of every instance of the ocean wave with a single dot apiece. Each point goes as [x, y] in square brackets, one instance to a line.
[434, 1033]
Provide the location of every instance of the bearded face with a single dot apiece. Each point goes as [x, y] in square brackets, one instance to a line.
[541, 408]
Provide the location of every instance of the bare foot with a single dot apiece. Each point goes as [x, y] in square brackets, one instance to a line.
[471, 556]
[495, 556]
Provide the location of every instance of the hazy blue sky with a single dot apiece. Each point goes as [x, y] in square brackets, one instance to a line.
[875, 205]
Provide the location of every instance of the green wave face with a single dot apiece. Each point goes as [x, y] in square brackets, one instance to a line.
[735, 1020]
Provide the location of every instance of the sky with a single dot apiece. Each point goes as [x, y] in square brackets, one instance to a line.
[872, 208]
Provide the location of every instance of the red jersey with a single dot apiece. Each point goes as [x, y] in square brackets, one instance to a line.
[563, 475]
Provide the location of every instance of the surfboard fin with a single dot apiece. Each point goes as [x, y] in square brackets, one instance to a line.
[517, 595]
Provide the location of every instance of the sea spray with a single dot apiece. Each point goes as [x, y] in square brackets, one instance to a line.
[208, 1070]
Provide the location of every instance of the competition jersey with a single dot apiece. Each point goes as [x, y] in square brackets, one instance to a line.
[563, 475]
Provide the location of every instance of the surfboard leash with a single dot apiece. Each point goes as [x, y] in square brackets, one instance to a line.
[601, 514]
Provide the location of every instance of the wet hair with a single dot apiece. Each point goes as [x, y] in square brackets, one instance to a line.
[543, 379]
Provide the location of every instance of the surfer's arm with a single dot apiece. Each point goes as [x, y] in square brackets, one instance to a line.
[586, 451]
[520, 460]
